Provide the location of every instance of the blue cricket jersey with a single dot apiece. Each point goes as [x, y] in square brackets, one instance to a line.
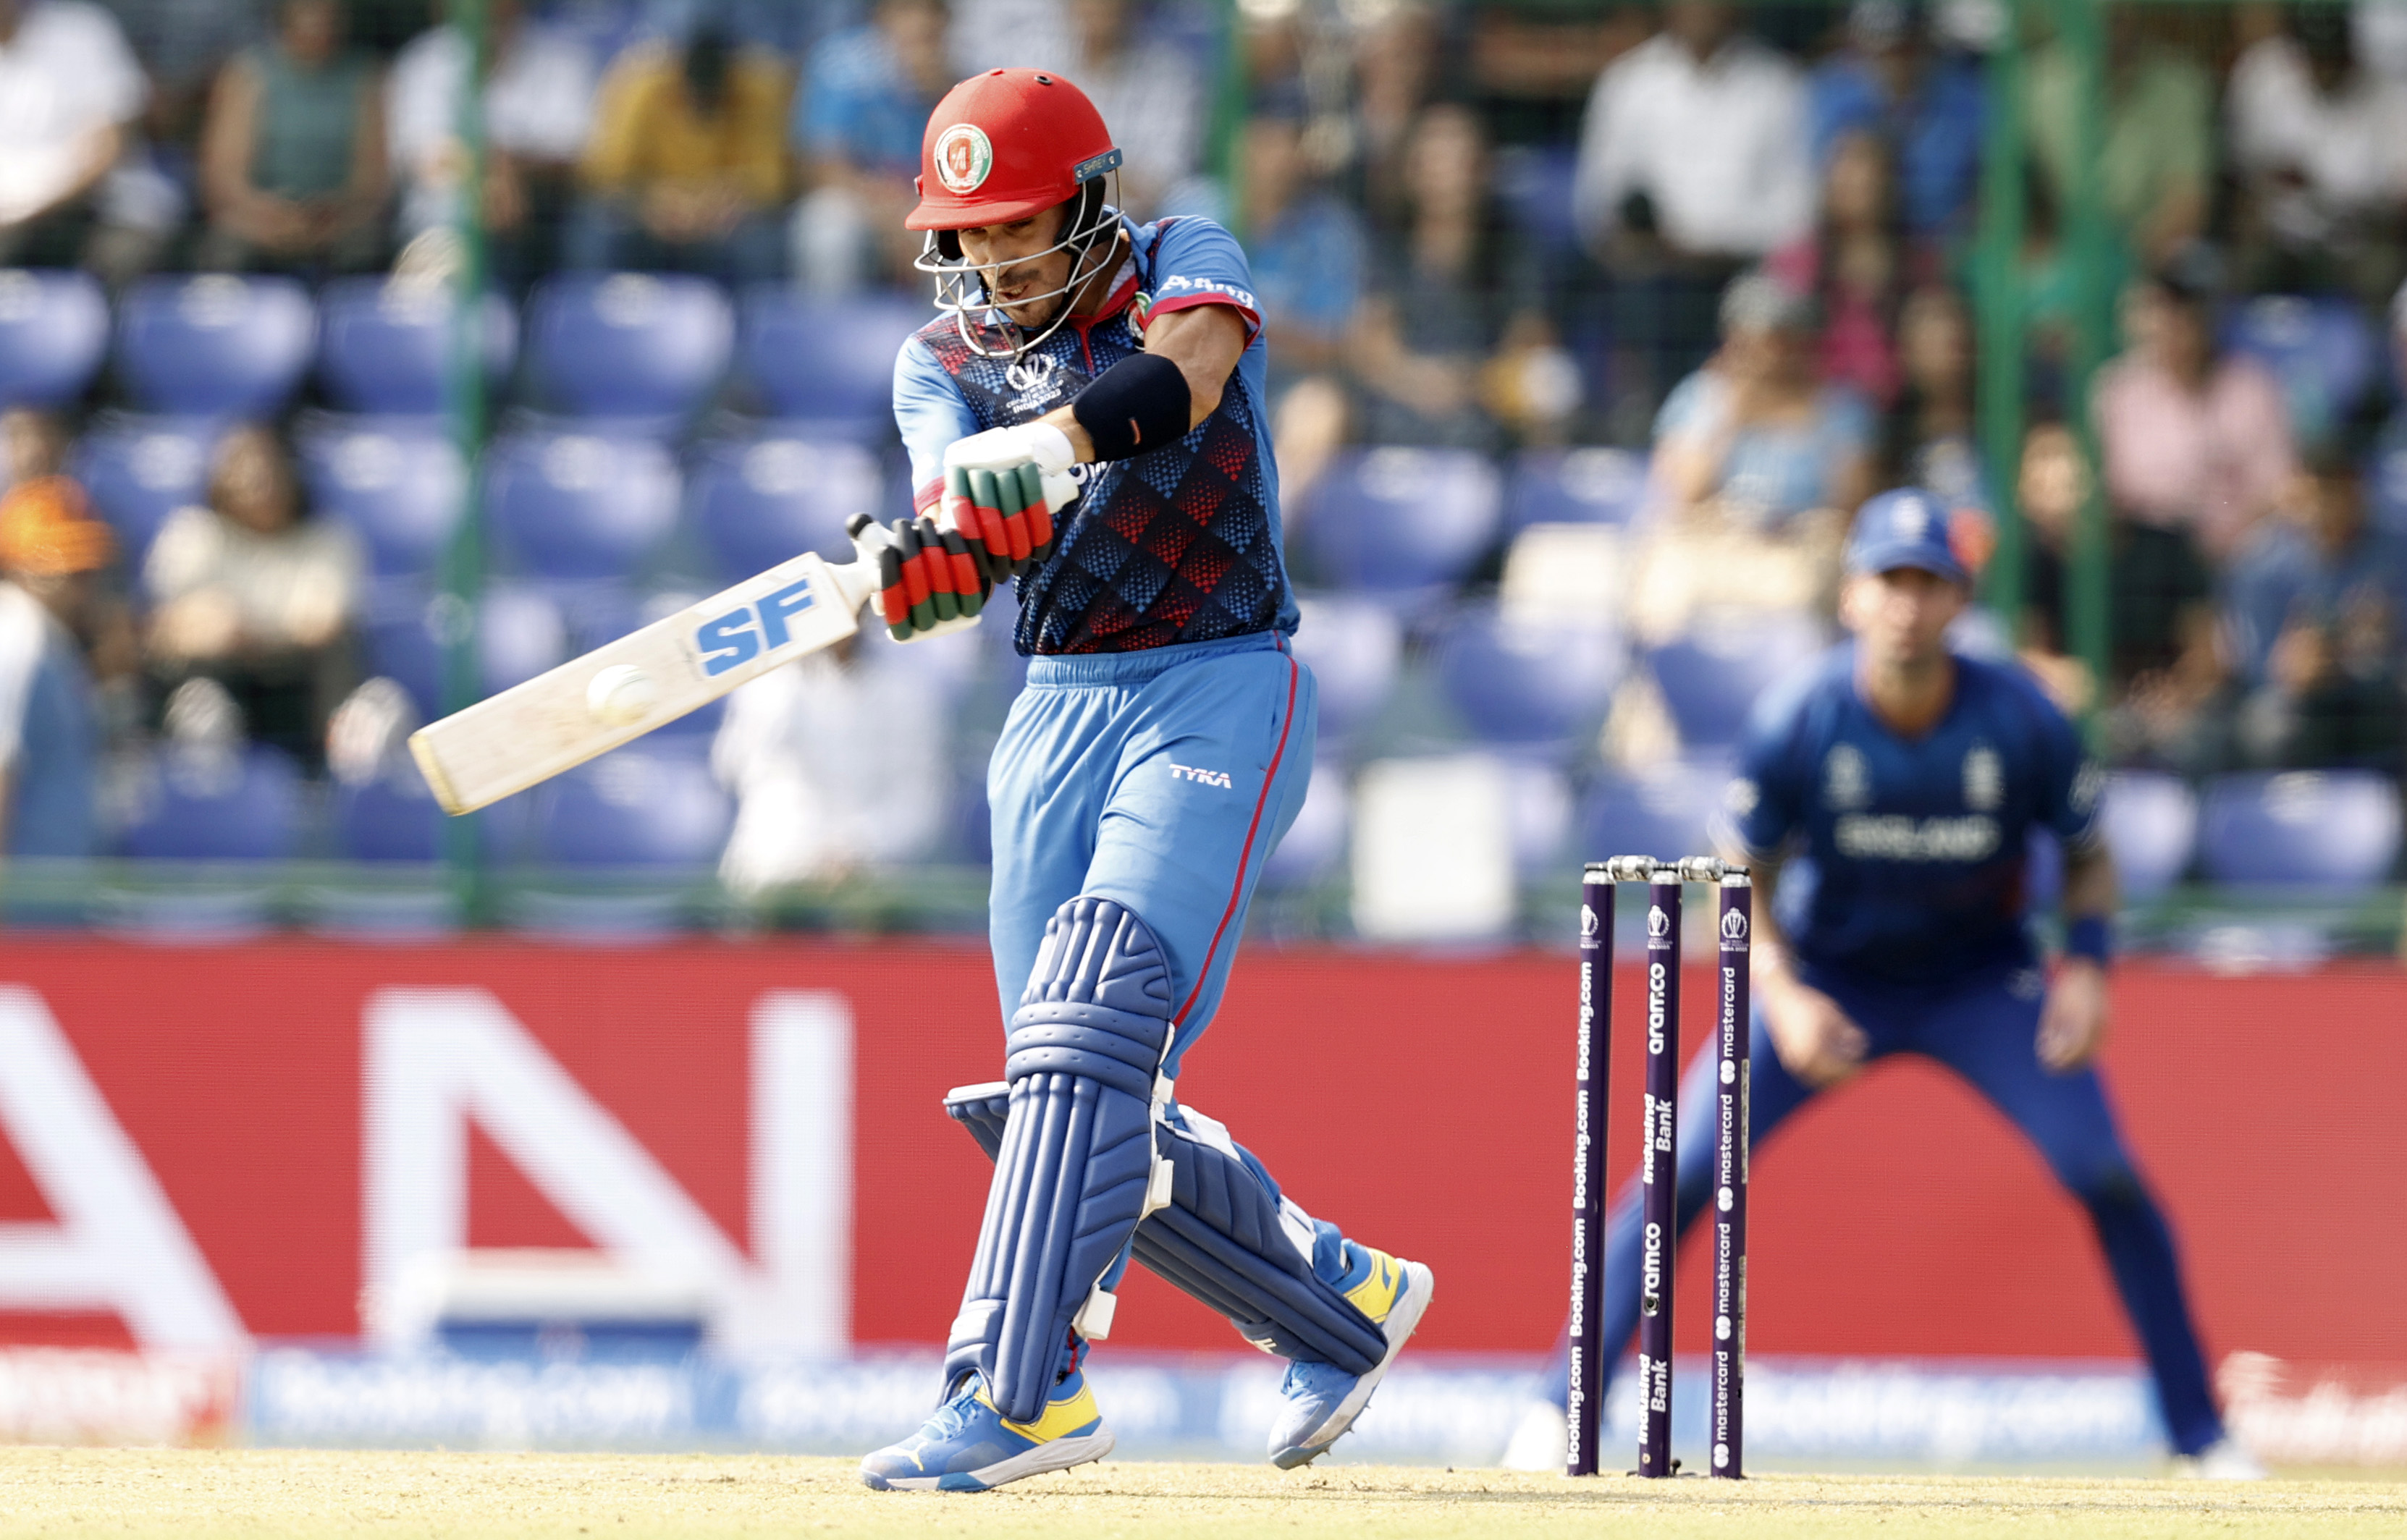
[1179, 543]
[1905, 856]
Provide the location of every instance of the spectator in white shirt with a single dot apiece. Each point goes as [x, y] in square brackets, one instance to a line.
[1146, 91]
[839, 762]
[2321, 145]
[1708, 127]
[69, 90]
[538, 95]
[1695, 161]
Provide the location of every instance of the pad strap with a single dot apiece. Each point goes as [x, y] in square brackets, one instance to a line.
[1141, 402]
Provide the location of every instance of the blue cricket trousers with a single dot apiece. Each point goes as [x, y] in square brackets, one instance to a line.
[1983, 1029]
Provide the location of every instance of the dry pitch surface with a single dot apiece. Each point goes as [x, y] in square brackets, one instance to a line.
[192, 1495]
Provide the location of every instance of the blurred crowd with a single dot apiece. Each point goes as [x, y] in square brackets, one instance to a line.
[1689, 281]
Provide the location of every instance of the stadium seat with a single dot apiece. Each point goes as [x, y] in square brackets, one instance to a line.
[2151, 824]
[2322, 351]
[1538, 811]
[631, 346]
[828, 364]
[2385, 485]
[138, 471]
[1402, 523]
[519, 634]
[1710, 678]
[578, 505]
[2331, 829]
[755, 504]
[637, 807]
[386, 347]
[393, 819]
[1354, 649]
[203, 804]
[1533, 184]
[402, 493]
[1666, 812]
[53, 334]
[214, 345]
[1532, 686]
[1575, 486]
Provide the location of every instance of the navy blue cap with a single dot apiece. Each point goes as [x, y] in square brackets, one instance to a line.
[1912, 527]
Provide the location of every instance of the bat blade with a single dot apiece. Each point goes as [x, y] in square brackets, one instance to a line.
[531, 732]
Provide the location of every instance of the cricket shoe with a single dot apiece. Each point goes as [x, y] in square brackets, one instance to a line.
[968, 1446]
[2225, 1460]
[1323, 1400]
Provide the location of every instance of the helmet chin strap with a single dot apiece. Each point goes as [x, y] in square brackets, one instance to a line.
[1091, 219]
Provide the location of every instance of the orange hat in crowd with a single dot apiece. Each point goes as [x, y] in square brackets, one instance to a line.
[44, 531]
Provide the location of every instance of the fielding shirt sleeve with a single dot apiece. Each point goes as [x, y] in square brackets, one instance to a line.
[1195, 262]
[931, 414]
[2069, 782]
[1765, 800]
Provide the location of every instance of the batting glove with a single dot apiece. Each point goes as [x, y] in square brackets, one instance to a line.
[928, 583]
[1002, 489]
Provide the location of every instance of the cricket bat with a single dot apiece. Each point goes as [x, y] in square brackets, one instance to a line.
[589, 705]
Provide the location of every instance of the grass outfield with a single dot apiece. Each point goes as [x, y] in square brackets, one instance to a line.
[193, 1495]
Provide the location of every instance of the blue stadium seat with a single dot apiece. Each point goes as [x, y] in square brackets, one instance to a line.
[519, 633]
[826, 363]
[1667, 811]
[629, 345]
[53, 334]
[1539, 813]
[755, 504]
[1354, 649]
[393, 818]
[1575, 486]
[1404, 523]
[2151, 824]
[578, 505]
[1710, 680]
[402, 492]
[386, 347]
[1533, 183]
[139, 469]
[637, 807]
[2323, 352]
[242, 804]
[1532, 686]
[2385, 485]
[2331, 829]
[214, 345]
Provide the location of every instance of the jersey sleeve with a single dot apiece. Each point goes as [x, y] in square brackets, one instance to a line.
[1195, 262]
[1765, 802]
[931, 414]
[2069, 782]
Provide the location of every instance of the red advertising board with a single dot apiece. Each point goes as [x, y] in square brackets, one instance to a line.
[1422, 1103]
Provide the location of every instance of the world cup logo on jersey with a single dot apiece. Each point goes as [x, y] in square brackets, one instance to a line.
[963, 158]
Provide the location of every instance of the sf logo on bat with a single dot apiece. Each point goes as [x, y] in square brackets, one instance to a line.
[735, 639]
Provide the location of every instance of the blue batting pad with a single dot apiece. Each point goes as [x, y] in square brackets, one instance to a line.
[1075, 1153]
[1229, 1240]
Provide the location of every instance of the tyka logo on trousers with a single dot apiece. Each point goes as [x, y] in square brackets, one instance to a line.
[1202, 777]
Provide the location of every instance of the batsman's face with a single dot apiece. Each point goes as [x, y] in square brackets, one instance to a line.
[1901, 617]
[1007, 257]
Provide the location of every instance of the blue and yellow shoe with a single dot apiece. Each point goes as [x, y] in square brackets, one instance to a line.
[1323, 1400]
[968, 1446]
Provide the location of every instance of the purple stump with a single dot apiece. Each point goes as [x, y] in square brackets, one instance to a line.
[1659, 1180]
[1584, 1407]
[1729, 1179]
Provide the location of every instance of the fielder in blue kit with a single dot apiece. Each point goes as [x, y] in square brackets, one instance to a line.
[1085, 419]
[1883, 800]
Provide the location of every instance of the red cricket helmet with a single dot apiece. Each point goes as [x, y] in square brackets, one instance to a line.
[1005, 144]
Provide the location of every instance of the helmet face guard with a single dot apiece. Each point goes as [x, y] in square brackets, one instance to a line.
[1090, 218]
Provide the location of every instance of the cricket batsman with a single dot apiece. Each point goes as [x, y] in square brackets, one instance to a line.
[1085, 418]
[1883, 800]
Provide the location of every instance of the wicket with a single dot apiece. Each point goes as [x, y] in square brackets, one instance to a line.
[1658, 1162]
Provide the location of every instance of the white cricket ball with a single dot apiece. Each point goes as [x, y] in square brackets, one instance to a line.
[620, 694]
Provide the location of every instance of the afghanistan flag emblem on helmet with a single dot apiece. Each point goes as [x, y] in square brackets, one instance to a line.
[963, 158]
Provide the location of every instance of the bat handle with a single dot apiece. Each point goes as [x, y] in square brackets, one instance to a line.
[857, 579]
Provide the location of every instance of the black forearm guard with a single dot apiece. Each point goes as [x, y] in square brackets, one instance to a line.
[1141, 402]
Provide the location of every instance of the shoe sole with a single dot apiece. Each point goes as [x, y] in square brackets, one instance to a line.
[1420, 1285]
[1058, 1455]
